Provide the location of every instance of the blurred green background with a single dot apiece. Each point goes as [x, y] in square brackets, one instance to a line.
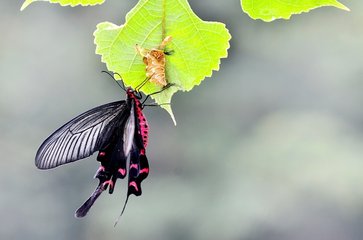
[269, 148]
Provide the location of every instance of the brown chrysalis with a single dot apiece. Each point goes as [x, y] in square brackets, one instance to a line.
[154, 60]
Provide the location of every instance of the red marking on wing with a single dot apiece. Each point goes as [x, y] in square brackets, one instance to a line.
[108, 183]
[101, 168]
[134, 165]
[145, 170]
[101, 154]
[133, 184]
[122, 171]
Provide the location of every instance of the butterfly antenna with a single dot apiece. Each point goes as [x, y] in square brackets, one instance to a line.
[123, 209]
[121, 86]
[142, 84]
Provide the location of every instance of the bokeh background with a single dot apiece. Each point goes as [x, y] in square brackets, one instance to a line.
[269, 148]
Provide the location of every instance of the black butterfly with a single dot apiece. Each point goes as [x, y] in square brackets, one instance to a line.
[118, 131]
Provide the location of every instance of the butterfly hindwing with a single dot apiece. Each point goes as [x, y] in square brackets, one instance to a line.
[112, 155]
[83, 210]
[139, 165]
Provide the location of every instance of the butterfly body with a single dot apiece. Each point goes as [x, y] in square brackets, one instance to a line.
[118, 131]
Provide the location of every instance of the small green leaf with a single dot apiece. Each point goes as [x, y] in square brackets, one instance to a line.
[269, 10]
[197, 46]
[71, 3]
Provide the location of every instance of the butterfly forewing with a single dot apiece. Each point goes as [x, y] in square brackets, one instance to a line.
[82, 136]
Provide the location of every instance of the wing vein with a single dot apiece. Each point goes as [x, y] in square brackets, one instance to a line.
[82, 136]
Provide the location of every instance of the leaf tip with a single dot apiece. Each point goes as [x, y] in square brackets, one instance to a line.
[343, 7]
[170, 111]
[25, 4]
[173, 118]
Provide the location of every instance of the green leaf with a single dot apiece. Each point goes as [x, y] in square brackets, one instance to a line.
[72, 3]
[197, 46]
[269, 10]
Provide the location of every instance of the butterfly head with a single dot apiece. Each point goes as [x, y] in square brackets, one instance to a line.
[131, 93]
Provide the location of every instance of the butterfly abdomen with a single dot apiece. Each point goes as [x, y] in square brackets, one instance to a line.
[143, 129]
